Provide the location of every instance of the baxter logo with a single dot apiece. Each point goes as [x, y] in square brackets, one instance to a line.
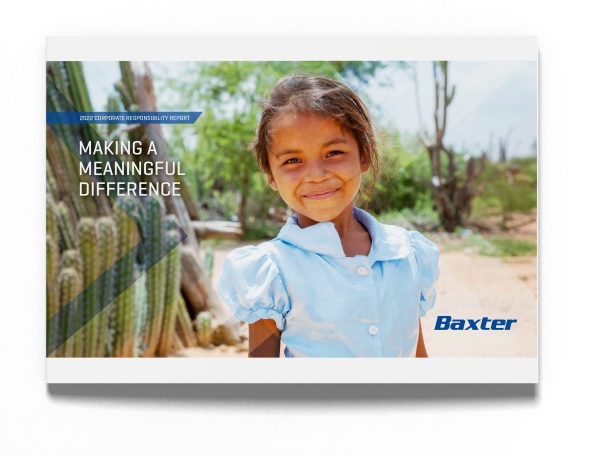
[446, 322]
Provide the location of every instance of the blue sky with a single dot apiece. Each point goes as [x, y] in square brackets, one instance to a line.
[491, 100]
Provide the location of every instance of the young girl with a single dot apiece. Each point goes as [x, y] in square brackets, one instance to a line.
[335, 282]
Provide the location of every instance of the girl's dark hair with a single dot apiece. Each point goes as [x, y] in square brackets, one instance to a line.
[323, 97]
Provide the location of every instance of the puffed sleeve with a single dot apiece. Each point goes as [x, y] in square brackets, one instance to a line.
[427, 256]
[250, 284]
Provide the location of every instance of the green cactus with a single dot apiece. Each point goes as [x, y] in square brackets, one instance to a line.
[51, 221]
[112, 106]
[52, 292]
[52, 259]
[75, 94]
[69, 282]
[172, 293]
[124, 95]
[51, 185]
[65, 223]
[88, 246]
[141, 308]
[107, 250]
[80, 94]
[56, 165]
[78, 86]
[171, 223]
[128, 81]
[204, 328]
[127, 211]
[156, 275]
[209, 260]
[59, 80]
[72, 259]
[85, 206]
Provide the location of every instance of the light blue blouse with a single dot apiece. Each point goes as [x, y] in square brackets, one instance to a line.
[330, 305]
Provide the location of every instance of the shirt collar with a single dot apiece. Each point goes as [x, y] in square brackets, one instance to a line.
[388, 242]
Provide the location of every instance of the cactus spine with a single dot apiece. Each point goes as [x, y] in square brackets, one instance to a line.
[70, 286]
[52, 292]
[126, 210]
[156, 262]
[172, 287]
[88, 246]
[107, 251]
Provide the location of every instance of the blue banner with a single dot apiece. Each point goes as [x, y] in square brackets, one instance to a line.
[121, 117]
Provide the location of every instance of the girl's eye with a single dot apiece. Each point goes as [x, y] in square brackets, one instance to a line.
[291, 161]
[334, 152]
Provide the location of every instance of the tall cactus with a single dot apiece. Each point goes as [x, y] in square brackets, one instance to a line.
[172, 292]
[52, 291]
[51, 185]
[65, 223]
[141, 308]
[107, 250]
[58, 79]
[71, 259]
[126, 210]
[156, 275]
[112, 106]
[52, 261]
[51, 221]
[78, 86]
[54, 158]
[88, 246]
[126, 86]
[84, 205]
[70, 286]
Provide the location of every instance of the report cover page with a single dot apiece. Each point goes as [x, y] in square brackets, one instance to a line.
[366, 205]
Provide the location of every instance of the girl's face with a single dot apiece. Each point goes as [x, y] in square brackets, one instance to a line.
[315, 166]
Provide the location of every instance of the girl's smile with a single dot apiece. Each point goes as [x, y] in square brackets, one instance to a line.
[315, 166]
[321, 195]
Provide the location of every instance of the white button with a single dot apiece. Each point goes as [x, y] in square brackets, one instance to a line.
[373, 330]
[362, 271]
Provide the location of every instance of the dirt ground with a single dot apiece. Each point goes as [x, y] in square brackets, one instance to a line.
[470, 287]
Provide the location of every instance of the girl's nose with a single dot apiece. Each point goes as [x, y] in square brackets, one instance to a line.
[317, 172]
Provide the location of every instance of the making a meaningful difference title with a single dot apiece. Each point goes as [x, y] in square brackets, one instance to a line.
[127, 168]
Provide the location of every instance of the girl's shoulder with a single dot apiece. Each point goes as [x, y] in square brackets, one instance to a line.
[251, 285]
[264, 251]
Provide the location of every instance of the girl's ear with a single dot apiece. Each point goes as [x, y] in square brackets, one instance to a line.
[364, 162]
[272, 183]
